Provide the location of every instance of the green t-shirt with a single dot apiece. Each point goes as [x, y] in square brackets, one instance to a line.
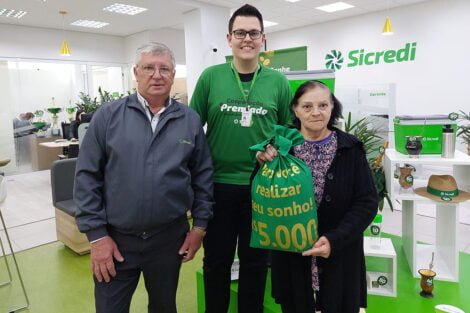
[219, 101]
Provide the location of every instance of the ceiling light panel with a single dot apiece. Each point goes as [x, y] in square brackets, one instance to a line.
[334, 7]
[89, 24]
[292, 1]
[12, 13]
[124, 9]
[269, 23]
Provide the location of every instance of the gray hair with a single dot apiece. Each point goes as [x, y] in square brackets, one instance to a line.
[155, 48]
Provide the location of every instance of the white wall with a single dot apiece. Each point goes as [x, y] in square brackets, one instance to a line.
[435, 83]
[43, 43]
[173, 38]
[205, 28]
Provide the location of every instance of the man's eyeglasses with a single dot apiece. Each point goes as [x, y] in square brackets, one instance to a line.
[241, 34]
[150, 70]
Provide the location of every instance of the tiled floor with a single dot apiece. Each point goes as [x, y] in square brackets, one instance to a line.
[29, 215]
[28, 211]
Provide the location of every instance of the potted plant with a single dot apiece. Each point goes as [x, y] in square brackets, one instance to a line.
[89, 105]
[374, 146]
[86, 104]
[463, 130]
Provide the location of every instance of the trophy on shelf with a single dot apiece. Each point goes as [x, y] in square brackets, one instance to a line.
[70, 111]
[38, 120]
[427, 280]
[55, 129]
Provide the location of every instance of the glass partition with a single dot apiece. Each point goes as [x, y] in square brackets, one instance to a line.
[36, 96]
[109, 78]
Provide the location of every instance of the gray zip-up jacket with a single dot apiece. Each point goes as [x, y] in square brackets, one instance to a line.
[136, 181]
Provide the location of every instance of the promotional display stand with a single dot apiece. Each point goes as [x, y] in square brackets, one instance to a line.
[382, 282]
[446, 261]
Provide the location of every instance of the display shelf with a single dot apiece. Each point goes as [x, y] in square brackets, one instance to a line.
[460, 168]
[429, 159]
[376, 289]
[446, 261]
[385, 251]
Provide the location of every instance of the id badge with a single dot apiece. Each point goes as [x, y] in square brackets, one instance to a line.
[246, 119]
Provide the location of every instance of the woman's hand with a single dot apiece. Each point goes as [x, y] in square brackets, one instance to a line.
[267, 156]
[320, 248]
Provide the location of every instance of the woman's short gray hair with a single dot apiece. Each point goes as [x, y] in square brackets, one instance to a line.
[154, 48]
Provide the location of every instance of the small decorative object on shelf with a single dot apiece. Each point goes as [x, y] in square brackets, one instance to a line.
[382, 280]
[414, 145]
[55, 129]
[448, 142]
[427, 280]
[443, 188]
[406, 177]
[70, 111]
[39, 125]
[375, 231]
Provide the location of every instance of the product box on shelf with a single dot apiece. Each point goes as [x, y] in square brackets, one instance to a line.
[429, 127]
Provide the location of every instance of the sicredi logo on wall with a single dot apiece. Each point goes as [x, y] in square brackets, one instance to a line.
[360, 57]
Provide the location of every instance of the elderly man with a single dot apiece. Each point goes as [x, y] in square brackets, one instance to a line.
[143, 164]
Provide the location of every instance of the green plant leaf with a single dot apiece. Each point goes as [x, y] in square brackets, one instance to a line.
[372, 142]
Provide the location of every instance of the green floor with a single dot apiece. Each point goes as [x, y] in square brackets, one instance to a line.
[408, 299]
[57, 280]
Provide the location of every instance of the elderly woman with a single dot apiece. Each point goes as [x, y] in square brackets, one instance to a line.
[331, 276]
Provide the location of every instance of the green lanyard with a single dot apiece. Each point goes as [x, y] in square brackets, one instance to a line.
[239, 82]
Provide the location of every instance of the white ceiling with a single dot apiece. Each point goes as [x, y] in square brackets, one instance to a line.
[169, 13]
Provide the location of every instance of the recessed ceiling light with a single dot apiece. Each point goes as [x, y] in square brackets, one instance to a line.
[12, 13]
[269, 23]
[333, 7]
[90, 24]
[292, 1]
[124, 9]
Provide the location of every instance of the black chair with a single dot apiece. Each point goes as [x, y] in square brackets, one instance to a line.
[66, 131]
[73, 150]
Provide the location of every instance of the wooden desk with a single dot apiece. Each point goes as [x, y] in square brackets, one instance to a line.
[59, 144]
[42, 156]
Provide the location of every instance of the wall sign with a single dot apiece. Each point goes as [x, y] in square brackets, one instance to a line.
[359, 57]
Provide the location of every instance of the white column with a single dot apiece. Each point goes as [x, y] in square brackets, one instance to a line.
[205, 29]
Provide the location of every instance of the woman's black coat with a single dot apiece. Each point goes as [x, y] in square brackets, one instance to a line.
[348, 206]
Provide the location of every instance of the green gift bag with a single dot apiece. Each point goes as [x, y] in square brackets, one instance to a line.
[284, 213]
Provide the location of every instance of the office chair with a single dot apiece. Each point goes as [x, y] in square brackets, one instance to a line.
[3, 195]
[62, 183]
[82, 131]
[66, 130]
[73, 150]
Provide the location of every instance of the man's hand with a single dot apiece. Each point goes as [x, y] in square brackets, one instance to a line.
[191, 244]
[268, 155]
[102, 263]
[320, 248]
